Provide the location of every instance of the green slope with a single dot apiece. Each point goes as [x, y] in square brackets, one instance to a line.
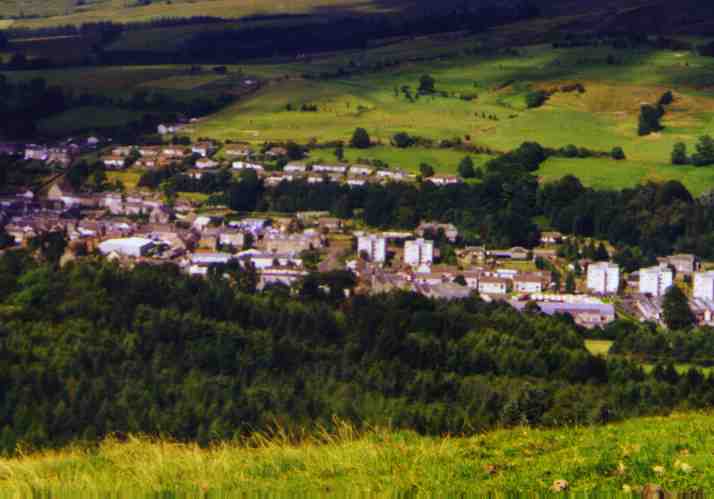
[673, 452]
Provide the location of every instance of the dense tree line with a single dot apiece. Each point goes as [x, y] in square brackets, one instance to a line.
[91, 349]
[649, 343]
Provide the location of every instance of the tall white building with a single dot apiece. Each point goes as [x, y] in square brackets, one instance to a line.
[374, 246]
[603, 278]
[418, 252]
[656, 280]
[704, 285]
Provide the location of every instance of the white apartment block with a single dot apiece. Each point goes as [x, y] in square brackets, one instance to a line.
[418, 252]
[374, 246]
[656, 280]
[704, 285]
[603, 278]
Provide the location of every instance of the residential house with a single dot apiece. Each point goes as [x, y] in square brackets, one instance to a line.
[493, 285]
[315, 179]
[393, 175]
[243, 165]
[603, 278]
[204, 149]
[294, 167]
[113, 162]
[149, 151]
[529, 283]
[356, 182]
[276, 178]
[146, 163]
[656, 280]
[231, 237]
[175, 152]
[444, 180]
[206, 163]
[361, 170]
[338, 169]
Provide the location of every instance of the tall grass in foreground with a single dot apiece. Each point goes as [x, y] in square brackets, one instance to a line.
[617, 460]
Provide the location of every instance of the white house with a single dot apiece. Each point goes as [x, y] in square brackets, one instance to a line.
[293, 167]
[203, 149]
[330, 169]
[361, 171]
[206, 163]
[243, 165]
[374, 247]
[113, 162]
[656, 280]
[356, 182]
[444, 179]
[129, 246]
[493, 286]
[232, 237]
[418, 252]
[704, 285]
[396, 175]
[528, 284]
[603, 278]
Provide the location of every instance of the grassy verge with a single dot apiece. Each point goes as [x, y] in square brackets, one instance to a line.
[619, 459]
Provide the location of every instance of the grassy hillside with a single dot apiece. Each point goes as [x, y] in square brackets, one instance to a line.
[603, 117]
[674, 452]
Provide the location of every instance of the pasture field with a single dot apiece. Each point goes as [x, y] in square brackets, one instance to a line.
[603, 117]
[616, 460]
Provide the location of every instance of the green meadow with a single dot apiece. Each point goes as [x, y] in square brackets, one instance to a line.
[616, 460]
[603, 117]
